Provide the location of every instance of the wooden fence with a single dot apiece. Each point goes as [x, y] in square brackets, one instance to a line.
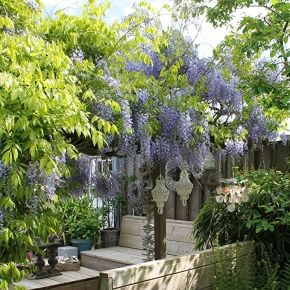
[273, 155]
[192, 272]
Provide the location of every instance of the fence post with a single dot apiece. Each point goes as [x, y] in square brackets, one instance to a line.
[194, 200]
[160, 233]
[170, 205]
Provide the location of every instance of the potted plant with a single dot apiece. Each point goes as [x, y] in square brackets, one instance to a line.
[110, 234]
[109, 187]
[80, 222]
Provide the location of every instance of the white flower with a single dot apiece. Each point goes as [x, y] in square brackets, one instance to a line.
[231, 207]
[220, 198]
[245, 198]
[219, 190]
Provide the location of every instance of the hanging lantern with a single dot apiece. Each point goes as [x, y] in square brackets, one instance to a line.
[160, 193]
[184, 187]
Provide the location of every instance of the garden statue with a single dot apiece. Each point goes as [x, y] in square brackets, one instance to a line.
[51, 249]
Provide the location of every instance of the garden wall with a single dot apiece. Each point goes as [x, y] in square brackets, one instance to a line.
[192, 272]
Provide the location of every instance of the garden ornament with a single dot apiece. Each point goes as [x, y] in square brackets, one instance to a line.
[160, 193]
[184, 187]
[231, 192]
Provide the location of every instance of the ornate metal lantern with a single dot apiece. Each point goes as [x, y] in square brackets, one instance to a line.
[184, 187]
[160, 193]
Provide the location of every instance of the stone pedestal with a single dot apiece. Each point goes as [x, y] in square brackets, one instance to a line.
[68, 251]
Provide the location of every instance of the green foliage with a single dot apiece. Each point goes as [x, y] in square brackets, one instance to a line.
[285, 280]
[78, 218]
[264, 34]
[114, 208]
[267, 274]
[9, 273]
[45, 103]
[16, 14]
[232, 270]
[46, 100]
[18, 235]
[215, 225]
[264, 219]
[271, 275]
[237, 272]
[269, 211]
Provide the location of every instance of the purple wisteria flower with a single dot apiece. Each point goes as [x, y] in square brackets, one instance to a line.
[240, 129]
[257, 125]
[222, 94]
[149, 70]
[284, 138]
[162, 149]
[32, 4]
[1, 218]
[236, 148]
[196, 69]
[32, 173]
[4, 171]
[169, 118]
[271, 71]
[107, 185]
[272, 136]
[146, 150]
[103, 110]
[47, 182]
[79, 180]
[185, 127]
[77, 55]
[197, 158]
[126, 115]
[143, 96]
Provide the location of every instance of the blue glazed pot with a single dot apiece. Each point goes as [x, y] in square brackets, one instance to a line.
[82, 245]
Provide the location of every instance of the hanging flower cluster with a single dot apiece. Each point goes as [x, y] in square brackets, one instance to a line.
[162, 128]
[107, 185]
[232, 193]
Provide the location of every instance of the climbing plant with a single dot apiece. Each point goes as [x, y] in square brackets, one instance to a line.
[257, 44]
[71, 84]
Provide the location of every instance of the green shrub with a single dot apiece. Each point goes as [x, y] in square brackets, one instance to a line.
[285, 277]
[215, 225]
[233, 270]
[78, 218]
[264, 219]
[268, 213]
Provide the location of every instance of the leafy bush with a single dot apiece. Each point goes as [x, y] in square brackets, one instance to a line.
[268, 213]
[78, 218]
[9, 273]
[264, 219]
[215, 225]
[233, 270]
[285, 279]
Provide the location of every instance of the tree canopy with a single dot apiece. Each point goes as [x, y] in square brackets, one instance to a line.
[258, 46]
